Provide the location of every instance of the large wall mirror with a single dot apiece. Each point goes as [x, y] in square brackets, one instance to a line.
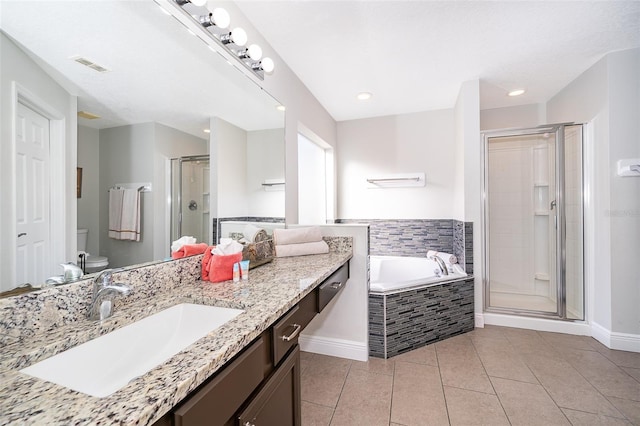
[203, 141]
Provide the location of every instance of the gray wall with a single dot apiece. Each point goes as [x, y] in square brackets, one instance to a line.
[608, 96]
[16, 67]
[88, 211]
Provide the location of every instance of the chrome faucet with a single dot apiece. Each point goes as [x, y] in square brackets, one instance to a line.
[441, 264]
[104, 289]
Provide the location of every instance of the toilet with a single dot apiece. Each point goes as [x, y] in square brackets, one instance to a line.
[92, 263]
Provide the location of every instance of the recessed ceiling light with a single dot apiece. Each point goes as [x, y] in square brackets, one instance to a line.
[516, 92]
[207, 131]
[364, 96]
[280, 108]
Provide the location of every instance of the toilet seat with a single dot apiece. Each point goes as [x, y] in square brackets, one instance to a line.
[96, 261]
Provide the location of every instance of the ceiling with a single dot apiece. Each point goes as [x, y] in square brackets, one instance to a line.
[414, 55]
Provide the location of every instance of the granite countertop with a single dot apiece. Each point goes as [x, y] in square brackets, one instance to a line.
[271, 291]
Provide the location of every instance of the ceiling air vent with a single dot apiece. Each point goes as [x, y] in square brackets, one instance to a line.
[89, 63]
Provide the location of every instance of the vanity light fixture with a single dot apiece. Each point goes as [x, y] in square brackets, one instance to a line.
[364, 96]
[213, 21]
[516, 92]
[237, 36]
[218, 18]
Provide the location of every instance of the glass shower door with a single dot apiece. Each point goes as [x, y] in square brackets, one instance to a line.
[190, 195]
[533, 222]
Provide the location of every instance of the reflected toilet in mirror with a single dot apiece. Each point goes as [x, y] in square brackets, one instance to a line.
[90, 263]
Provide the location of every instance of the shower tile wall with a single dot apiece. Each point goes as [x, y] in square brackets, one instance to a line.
[414, 237]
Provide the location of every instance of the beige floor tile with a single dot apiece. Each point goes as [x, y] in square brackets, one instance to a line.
[418, 398]
[500, 360]
[633, 372]
[460, 366]
[580, 418]
[375, 365]
[603, 374]
[323, 379]
[423, 355]
[473, 408]
[630, 409]
[526, 342]
[527, 403]
[568, 341]
[567, 387]
[365, 400]
[305, 358]
[315, 415]
[490, 331]
[620, 358]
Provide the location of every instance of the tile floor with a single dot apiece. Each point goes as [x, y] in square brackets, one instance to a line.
[490, 376]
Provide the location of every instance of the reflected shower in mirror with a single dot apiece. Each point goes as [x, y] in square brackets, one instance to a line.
[142, 96]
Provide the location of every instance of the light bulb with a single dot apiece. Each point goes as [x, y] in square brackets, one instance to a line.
[221, 17]
[239, 36]
[199, 2]
[255, 52]
[267, 65]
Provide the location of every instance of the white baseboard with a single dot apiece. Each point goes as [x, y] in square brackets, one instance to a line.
[479, 321]
[614, 340]
[335, 347]
[540, 324]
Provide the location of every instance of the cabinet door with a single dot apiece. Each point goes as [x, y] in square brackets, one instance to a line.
[278, 402]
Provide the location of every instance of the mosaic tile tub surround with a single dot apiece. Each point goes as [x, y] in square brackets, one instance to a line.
[402, 321]
[414, 237]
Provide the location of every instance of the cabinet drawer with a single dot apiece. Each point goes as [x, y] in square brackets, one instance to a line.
[332, 286]
[286, 330]
[278, 401]
[219, 399]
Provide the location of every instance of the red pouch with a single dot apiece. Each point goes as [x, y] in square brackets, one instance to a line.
[221, 267]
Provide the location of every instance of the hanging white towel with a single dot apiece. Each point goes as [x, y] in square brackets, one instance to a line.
[124, 214]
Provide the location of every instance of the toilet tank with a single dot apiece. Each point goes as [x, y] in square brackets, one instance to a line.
[82, 239]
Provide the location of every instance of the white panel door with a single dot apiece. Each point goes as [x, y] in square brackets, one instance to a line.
[32, 196]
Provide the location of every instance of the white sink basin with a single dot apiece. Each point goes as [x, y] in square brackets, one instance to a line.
[103, 365]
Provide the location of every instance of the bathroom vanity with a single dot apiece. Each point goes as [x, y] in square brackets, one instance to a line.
[245, 372]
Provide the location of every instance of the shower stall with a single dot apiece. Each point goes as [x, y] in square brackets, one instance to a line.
[533, 222]
[190, 194]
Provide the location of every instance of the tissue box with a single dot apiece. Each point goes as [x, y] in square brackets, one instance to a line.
[258, 253]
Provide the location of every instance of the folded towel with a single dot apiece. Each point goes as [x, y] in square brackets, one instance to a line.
[296, 236]
[177, 244]
[446, 257]
[219, 268]
[189, 250]
[124, 214]
[206, 259]
[316, 247]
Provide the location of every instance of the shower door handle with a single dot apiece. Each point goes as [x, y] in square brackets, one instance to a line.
[553, 204]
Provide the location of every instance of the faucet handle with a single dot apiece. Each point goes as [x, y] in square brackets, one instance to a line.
[104, 278]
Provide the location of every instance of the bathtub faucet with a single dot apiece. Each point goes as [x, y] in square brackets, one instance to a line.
[441, 264]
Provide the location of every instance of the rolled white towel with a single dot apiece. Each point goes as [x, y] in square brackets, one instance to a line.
[446, 257]
[250, 232]
[315, 247]
[296, 236]
[182, 241]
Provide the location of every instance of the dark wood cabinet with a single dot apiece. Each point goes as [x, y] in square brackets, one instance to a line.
[261, 385]
[278, 401]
